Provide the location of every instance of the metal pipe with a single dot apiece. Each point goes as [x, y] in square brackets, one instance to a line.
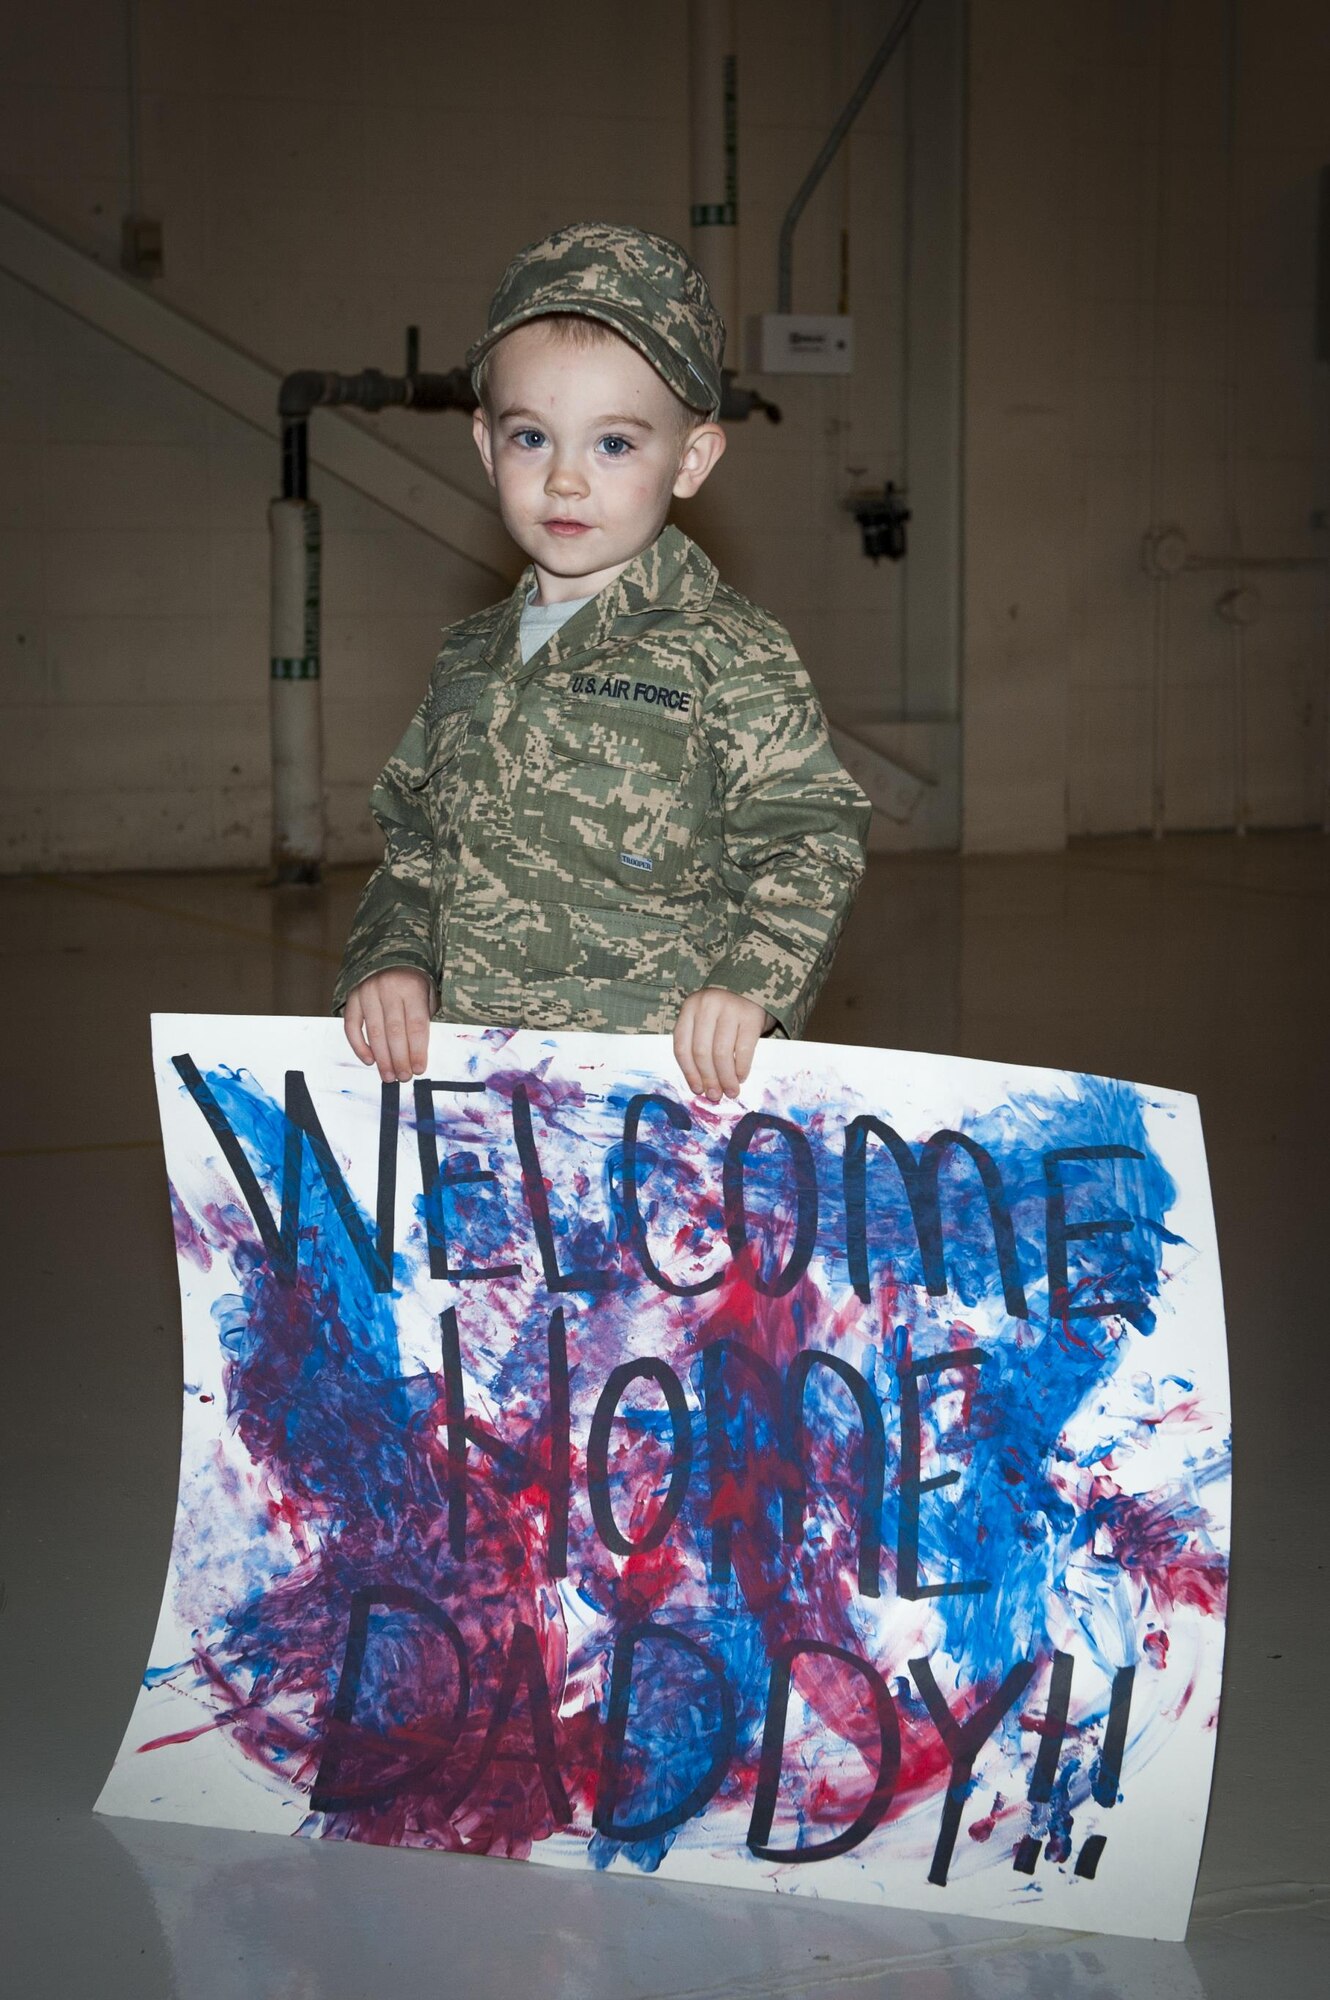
[449, 391]
[1232, 523]
[311, 389]
[713, 125]
[295, 710]
[859, 97]
[132, 143]
[736, 404]
[1325, 714]
[1159, 259]
[295, 458]
[1237, 561]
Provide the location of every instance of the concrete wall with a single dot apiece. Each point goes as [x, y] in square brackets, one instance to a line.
[1142, 183]
[325, 175]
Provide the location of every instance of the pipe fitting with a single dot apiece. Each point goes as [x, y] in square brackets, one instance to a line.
[737, 405]
[301, 392]
[1164, 551]
[311, 389]
[449, 391]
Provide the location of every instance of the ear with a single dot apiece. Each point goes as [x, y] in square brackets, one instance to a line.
[701, 452]
[480, 431]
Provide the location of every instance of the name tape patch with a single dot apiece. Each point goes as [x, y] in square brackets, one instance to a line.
[636, 861]
[679, 701]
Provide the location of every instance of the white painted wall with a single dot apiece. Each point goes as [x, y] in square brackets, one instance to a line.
[1141, 276]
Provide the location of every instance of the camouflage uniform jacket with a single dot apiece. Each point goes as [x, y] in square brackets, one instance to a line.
[648, 806]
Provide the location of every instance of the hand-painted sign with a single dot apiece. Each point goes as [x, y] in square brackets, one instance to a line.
[825, 1492]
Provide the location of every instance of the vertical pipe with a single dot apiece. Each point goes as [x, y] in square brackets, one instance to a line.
[713, 116]
[908, 194]
[1325, 718]
[297, 734]
[1161, 585]
[295, 458]
[132, 147]
[1159, 703]
[1232, 529]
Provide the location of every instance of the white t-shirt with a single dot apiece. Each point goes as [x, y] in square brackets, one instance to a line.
[541, 621]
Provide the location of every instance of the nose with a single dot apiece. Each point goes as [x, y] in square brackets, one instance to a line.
[563, 480]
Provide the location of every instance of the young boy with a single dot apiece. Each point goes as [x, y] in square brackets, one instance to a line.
[617, 807]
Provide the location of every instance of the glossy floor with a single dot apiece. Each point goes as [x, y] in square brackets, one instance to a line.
[1203, 964]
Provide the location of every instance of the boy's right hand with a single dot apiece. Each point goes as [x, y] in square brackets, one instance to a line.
[387, 1022]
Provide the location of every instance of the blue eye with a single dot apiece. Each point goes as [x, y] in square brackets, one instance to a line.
[531, 440]
[615, 447]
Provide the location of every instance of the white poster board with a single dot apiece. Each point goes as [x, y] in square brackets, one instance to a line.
[825, 1492]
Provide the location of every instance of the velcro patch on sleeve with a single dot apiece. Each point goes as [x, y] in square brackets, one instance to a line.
[460, 693]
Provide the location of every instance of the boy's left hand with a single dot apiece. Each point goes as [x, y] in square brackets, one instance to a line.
[714, 1039]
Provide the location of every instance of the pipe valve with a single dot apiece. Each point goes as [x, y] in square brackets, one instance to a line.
[882, 518]
[737, 404]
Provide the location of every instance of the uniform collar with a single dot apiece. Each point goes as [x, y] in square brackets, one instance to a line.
[672, 575]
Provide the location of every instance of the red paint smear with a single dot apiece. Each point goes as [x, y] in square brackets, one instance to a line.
[983, 1828]
[1155, 1645]
[182, 1735]
[1159, 1540]
[283, 1509]
[1184, 1415]
[1041, 1725]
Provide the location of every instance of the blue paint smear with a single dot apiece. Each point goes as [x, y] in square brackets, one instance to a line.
[313, 1381]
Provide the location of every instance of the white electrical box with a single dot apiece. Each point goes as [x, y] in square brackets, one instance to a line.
[802, 344]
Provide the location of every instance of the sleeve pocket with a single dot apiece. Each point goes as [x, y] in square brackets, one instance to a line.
[442, 743]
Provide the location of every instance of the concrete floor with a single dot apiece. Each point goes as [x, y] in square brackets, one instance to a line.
[1202, 963]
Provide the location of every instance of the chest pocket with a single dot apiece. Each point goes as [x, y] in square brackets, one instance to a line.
[618, 773]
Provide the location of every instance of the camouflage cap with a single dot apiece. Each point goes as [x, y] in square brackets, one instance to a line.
[644, 287]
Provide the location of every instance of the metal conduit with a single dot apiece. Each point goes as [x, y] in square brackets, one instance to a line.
[785, 254]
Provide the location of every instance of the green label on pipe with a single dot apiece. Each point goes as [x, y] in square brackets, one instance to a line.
[306, 669]
[703, 214]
